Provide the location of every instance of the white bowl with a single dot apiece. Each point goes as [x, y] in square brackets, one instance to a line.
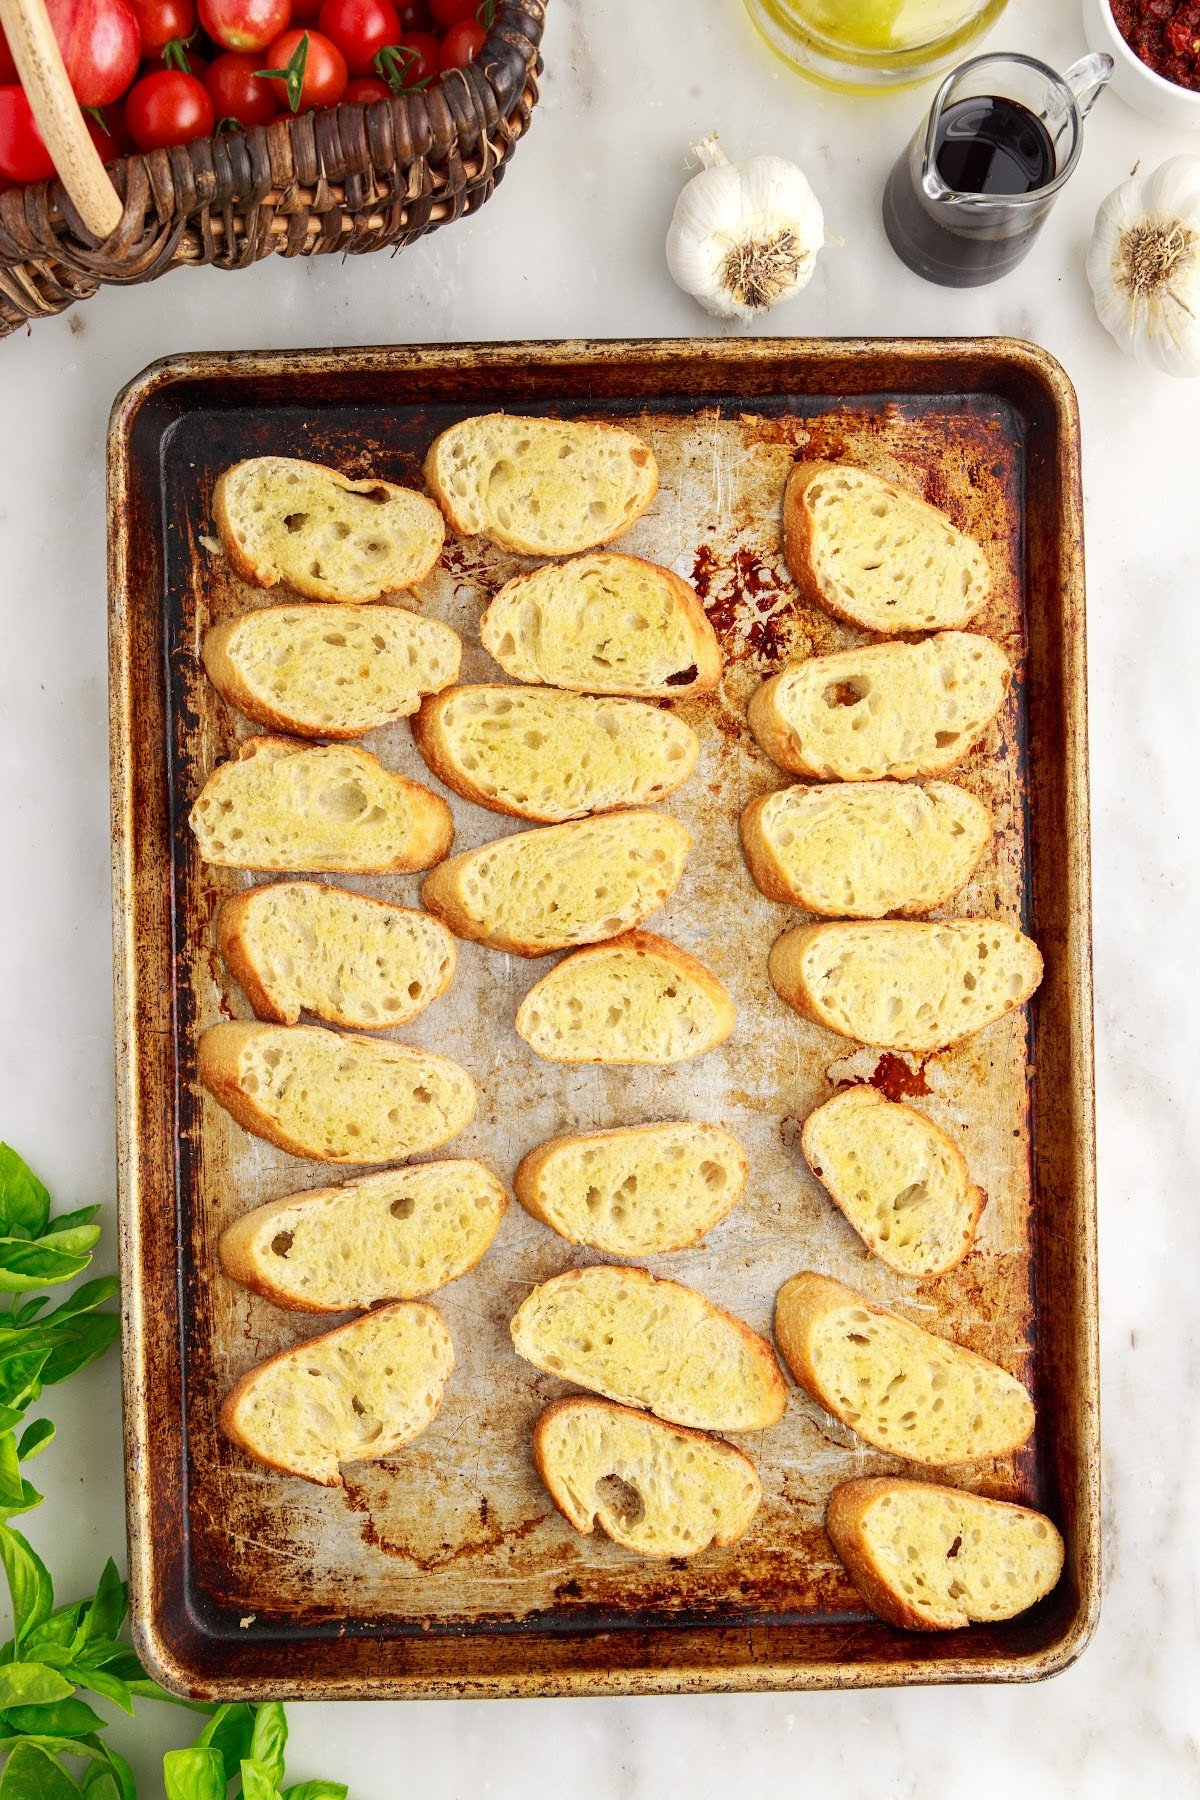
[1165, 102]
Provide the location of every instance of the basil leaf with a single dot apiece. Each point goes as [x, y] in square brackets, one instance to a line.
[32, 1773]
[24, 1266]
[80, 1342]
[28, 1500]
[101, 1784]
[270, 1738]
[87, 1295]
[60, 1718]
[194, 1774]
[119, 1773]
[108, 1609]
[231, 1731]
[317, 1790]
[35, 1438]
[24, 1202]
[60, 1630]
[99, 1681]
[28, 1582]
[20, 1374]
[69, 1239]
[10, 1472]
[83, 1215]
[142, 1688]
[257, 1781]
[31, 1684]
[22, 1314]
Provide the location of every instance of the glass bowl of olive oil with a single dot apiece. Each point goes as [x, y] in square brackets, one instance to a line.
[869, 45]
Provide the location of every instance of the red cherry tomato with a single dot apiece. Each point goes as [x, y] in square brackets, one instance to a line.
[315, 70]
[462, 44]
[101, 46]
[360, 29]
[23, 153]
[364, 90]
[8, 68]
[244, 24]
[411, 62]
[112, 138]
[238, 92]
[452, 12]
[168, 107]
[161, 20]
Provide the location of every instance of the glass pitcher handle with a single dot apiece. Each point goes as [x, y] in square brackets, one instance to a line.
[1087, 77]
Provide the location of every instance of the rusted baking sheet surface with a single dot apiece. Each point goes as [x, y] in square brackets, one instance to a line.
[447, 1569]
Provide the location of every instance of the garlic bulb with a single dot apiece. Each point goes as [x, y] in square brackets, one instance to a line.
[744, 235]
[1144, 266]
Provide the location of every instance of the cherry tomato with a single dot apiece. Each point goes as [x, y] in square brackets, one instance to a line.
[452, 12]
[238, 92]
[23, 153]
[360, 29]
[410, 62]
[244, 24]
[101, 46]
[112, 138]
[168, 107]
[161, 20]
[8, 68]
[312, 70]
[462, 44]
[364, 90]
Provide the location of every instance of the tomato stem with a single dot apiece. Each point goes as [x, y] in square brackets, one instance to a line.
[485, 14]
[174, 54]
[394, 63]
[293, 75]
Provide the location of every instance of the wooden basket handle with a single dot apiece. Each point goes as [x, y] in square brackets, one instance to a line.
[44, 77]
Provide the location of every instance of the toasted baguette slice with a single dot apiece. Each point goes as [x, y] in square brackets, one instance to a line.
[604, 625]
[636, 999]
[643, 1341]
[542, 487]
[281, 804]
[905, 984]
[565, 885]
[901, 1183]
[902, 1389]
[540, 753]
[931, 1558]
[280, 519]
[298, 946]
[393, 1236]
[660, 1490]
[859, 850]
[882, 710]
[335, 1098]
[877, 556]
[329, 671]
[351, 1395]
[639, 1190]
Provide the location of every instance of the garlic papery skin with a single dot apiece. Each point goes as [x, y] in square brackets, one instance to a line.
[744, 235]
[1144, 266]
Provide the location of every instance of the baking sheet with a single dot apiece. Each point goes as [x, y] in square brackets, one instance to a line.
[456, 1534]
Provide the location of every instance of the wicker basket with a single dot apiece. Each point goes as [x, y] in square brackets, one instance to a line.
[351, 179]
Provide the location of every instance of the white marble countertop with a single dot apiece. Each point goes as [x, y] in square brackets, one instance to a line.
[571, 246]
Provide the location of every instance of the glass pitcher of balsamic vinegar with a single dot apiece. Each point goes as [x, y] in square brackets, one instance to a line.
[970, 193]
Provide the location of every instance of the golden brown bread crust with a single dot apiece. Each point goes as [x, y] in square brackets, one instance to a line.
[683, 960]
[802, 1302]
[227, 1417]
[775, 1386]
[248, 571]
[978, 1196]
[431, 830]
[520, 545]
[233, 947]
[769, 878]
[529, 1170]
[241, 1265]
[706, 651]
[844, 1514]
[612, 1408]
[217, 1056]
